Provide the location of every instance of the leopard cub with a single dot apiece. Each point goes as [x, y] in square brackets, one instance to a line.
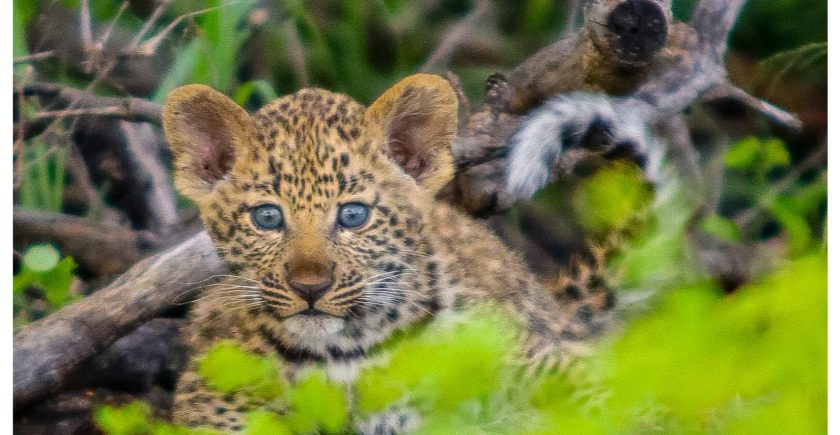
[325, 213]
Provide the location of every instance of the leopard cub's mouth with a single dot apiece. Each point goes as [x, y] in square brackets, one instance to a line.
[312, 311]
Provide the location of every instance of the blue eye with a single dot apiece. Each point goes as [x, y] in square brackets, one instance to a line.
[353, 215]
[267, 217]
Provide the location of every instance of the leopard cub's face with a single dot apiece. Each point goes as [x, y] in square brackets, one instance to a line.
[322, 226]
[317, 203]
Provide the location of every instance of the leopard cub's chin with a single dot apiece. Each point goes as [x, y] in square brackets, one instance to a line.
[312, 326]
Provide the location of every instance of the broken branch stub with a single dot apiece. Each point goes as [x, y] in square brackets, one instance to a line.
[676, 76]
[619, 46]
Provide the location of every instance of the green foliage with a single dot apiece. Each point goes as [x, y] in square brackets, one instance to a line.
[313, 403]
[450, 362]
[22, 13]
[135, 418]
[267, 423]
[794, 205]
[611, 198]
[42, 178]
[254, 88]
[43, 267]
[130, 419]
[708, 361]
[701, 361]
[228, 369]
[758, 155]
[317, 404]
[722, 228]
[40, 258]
[211, 57]
[795, 225]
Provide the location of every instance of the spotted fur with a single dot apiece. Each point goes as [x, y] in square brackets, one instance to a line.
[309, 153]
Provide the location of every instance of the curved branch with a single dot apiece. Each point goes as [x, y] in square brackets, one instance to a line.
[47, 350]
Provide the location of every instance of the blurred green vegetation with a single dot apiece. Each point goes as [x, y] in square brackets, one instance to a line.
[43, 283]
[701, 362]
[768, 27]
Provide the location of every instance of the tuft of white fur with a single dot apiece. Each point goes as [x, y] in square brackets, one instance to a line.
[536, 147]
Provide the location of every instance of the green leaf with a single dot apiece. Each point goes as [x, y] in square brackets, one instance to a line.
[807, 199]
[744, 153]
[41, 258]
[450, 362]
[722, 228]
[266, 423]
[228, 369]
[22, 280]
[129, 419]
[247, 89]
[376, 390]
[611, 197]
[794, 224]
[775, 153]
[317, 404]
[41, 267]
[57, 282]
[754, 153]
[135, 418]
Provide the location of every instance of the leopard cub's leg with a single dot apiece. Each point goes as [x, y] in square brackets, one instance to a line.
[196, 404]
[584, 310]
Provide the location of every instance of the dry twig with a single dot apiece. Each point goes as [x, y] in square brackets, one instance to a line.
[49, 54]
[453, 38]
[76, 102]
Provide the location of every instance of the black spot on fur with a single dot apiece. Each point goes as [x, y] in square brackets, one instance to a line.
[572, 292]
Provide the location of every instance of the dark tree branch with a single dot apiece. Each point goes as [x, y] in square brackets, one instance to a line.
[771, 112]
[620, 45]
[84, 103]
[101, 249]
[136, 145]
[691, 65]
[48, 350]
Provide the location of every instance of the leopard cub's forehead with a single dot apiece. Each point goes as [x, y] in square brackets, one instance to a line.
[313, 147]
[311, 120]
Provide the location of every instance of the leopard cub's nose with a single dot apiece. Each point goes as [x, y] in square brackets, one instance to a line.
[309, 279]
[310, 291]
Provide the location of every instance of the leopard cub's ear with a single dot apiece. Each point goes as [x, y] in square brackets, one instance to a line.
[206, 131]
[418, 118]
